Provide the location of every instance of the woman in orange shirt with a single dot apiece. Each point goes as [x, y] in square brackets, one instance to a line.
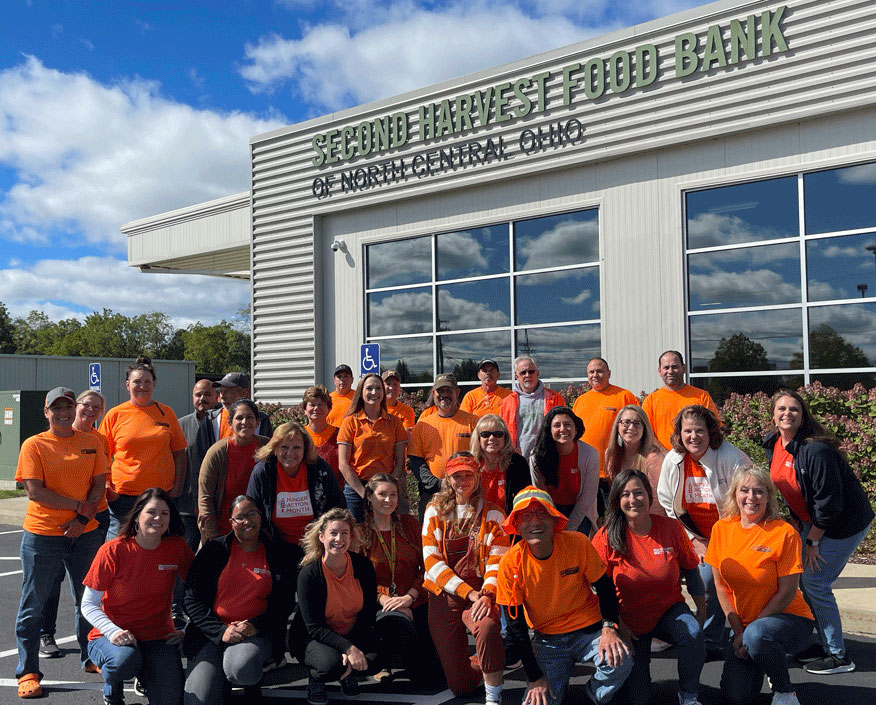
[756, 558]
[317, 403]
[146, 442]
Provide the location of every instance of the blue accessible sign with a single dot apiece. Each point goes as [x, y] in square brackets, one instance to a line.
[94, 376]
[369, 359]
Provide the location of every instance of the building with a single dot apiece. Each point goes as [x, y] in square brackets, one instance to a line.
[705, 181]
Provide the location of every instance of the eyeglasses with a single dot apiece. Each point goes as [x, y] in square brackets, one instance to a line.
[487, 434]
[92, 407]
[531, 515]
[249, 516]
[527, 372]
[626, 423]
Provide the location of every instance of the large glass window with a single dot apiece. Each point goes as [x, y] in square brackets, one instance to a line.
[442, 302]
[752, 324]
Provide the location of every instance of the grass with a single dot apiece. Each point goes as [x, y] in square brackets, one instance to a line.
[8, 494]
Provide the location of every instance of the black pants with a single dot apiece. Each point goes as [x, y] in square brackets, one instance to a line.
[400, 640]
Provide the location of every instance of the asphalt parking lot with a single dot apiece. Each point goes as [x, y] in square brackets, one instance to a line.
[65, 682]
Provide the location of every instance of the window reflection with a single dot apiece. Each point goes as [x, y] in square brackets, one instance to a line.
[758, 340]
[841, 267]
[552, 297]
[751, 212]
[400, 312]
[720, 388]
[846, 381]
[481, 304]
[562, 351]
[399, 262]
[460, 354]
[842, 336]
[840, 199]
[410, 357]
[571, 238]
[472, 253]
[754, 276]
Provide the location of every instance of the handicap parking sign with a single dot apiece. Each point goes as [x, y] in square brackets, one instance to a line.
[94, 376]
[369, 359]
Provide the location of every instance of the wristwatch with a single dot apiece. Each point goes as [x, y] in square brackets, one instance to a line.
[606, 624]
[810, 542]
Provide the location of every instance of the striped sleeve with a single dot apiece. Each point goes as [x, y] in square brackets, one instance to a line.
[495, 543]
[439, 576]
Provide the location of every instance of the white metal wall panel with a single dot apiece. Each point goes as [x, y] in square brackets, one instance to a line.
[830, 68]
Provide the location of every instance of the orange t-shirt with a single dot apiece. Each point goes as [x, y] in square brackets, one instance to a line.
[343, 600]
[326, 444]
[224, 428]
[293, 510]
[435, 438]
[555, 592]
[783, 475]
[102, 504]
[404, 412]
[373, 443]
[340, 404]
[244, 585]
[493, 485]
[697, 498]
[137, 584]
[752, 560]
[64, 465]
[648, 578]
[663, 405]
[142, 440]
[569, 479]
[597, 410]
[479, 403]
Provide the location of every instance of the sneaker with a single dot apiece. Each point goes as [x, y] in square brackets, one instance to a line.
[316, 694]
[785, 699]
[813, 652]
[274, 664]
[658, 645]
[350, 686]
[139, 688]
[48, 647]
[383, 675]
[829, 665]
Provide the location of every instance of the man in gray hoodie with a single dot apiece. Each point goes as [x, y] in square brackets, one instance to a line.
[524, 409]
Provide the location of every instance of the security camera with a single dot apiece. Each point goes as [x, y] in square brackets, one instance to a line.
[339, 246]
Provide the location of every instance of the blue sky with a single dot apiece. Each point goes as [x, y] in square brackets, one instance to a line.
[116, 110]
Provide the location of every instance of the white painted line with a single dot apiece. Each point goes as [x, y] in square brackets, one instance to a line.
[417, 698]
[17, 531]
[11, 572]
[10, 558]
[14, 652]
[68, 685]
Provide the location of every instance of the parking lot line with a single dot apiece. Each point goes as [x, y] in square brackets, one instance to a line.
[11, 572]
[16, 531]
[61, 640]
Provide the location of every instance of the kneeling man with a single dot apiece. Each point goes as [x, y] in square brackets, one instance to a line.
[549, 574]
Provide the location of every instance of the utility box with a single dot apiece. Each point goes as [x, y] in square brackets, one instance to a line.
[23, 417]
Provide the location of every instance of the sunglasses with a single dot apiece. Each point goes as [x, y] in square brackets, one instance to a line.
[487, 434]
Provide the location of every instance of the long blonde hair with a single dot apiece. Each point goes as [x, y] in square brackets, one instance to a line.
[313, 548]
[731, 508]
[491, 422]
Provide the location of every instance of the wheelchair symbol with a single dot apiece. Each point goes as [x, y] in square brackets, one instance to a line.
[95, 378]
[369, 364]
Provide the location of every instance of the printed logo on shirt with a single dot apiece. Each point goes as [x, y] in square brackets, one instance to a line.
[789, 463]
[609, 408]
[762, 549]
[162, 423]
[664, 549]
[88, 451]
[167, 566]
[698, 491]
[293, 504]
[463, 435]
[569, 571]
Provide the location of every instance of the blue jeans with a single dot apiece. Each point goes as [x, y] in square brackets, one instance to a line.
[713, 629]
[768, 640]
[677, 626]
[355, 503]
[118, 510]
[817, 587]
[43, 562]
[214, 665]
[557, 655]
[156, 663]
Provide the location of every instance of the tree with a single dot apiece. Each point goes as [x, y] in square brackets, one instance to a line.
[828, 349]
[7, 331]
[739, 353]
[466, 370]
[33, 335]
[216, 349]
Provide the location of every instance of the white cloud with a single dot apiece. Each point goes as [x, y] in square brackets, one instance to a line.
[90, 157]
[752, 287]
[460, 250]
[63, 288]
[716, 229]
[576, 300]
[568, 242]
[863, 175]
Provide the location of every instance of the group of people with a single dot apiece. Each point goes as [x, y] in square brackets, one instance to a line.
[553, 535]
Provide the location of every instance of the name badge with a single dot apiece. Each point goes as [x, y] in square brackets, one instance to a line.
[167, 566]
[663, 549]
[569, 571]
[762, 549]
[261, 571]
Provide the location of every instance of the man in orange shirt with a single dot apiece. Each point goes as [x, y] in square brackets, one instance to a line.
[598, 407]
[342, 396]
[549, 574]
[394, 406]
[438, 436]
[662, 405]
[487, 398]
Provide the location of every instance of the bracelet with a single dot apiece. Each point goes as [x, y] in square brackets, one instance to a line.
[810, 542]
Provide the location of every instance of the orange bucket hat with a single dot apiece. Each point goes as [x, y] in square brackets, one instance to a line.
[526, 498]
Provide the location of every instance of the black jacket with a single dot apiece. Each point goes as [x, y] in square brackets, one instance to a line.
[321, 485]
[517, 477]
[203, 580]
[833, 495]
[311, 605]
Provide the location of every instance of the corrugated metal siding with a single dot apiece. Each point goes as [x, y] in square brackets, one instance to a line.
[830, 68]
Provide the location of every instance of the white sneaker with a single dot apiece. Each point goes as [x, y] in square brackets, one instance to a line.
[785, 699]
[688, 699]
[658, 645]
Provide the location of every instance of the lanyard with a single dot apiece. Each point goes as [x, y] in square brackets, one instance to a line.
[390, 556]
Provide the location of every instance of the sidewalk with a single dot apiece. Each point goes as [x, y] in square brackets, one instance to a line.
[855, 589]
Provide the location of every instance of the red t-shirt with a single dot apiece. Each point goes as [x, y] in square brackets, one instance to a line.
[241, 461]
[244, 585]
[137, 584]
[783, 475]
[648, 578]
[569, 479]
[493, 486]
[292, 508]
[697, 498]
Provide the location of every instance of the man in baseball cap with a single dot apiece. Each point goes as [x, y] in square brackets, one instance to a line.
[549, 574]
[342, 396]
[487, 398]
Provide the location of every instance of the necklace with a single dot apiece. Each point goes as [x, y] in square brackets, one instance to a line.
[390, 556]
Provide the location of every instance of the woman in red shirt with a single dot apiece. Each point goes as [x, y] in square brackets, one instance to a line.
[316, 403]
[646, 555]
[128, 592]
[567, 468]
